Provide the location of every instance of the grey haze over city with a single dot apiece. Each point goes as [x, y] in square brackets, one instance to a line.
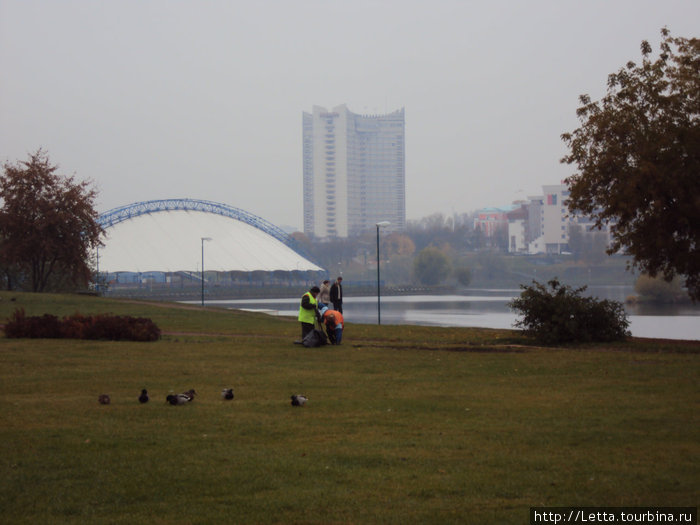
[156, 99]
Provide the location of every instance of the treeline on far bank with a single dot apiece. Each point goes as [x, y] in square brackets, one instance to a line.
[449, 251]
[483, 269]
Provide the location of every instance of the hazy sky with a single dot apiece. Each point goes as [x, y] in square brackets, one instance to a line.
[204, 99]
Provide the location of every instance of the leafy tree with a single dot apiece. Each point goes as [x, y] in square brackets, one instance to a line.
[463, 275]
[557, 313]
[397, 244]
[638, 158]
[478, 238]
[658, 289]
[9, 271]
[48, 225]
[589, 247]
[302, 240]
[332, 252]
[431, 266]
[491, 264]
[436, 230]
[500, 239]
[399, 271]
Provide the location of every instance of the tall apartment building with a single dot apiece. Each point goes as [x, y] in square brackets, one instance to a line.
[354, 171]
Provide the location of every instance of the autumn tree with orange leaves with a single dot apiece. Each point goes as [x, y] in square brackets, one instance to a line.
[48, 226]
[637, 155]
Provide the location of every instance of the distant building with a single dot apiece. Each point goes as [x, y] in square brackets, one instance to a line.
[491, 221]
[518, 229]
[534, 217]
[354, 171]
[544, 223]
[555, 219]
[493, 224]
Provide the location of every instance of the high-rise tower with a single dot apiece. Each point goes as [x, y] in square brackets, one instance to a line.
[354, 171]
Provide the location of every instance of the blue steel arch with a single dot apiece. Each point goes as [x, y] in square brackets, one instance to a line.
[130, 211]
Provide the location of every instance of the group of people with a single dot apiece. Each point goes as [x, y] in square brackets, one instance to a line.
[315, 306]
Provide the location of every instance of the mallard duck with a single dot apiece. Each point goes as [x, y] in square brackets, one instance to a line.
[181, 399]
[227, 393]
[143, 398]
[104, 399]
[190, 394]
[299, 400]
[176, 399]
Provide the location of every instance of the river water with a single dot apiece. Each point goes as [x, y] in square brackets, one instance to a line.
[485, 308]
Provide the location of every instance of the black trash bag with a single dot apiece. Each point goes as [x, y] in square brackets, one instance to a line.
[314, 338]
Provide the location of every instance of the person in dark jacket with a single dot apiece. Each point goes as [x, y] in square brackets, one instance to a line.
[337, 295]
[308, 311]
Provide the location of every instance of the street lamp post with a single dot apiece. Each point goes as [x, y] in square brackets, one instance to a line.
[97, 270]
[379, 304]
[202, 279]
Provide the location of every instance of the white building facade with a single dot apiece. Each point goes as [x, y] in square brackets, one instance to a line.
[546, 224]
[354, 171]
[555, 220]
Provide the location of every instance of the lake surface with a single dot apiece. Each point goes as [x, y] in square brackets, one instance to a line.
[484, 308]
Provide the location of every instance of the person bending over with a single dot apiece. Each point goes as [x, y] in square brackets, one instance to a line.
[333, 320]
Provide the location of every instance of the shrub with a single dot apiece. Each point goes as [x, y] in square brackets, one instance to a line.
[45, 326]
[118, 328]
[559, 314]
[103, 326]
[74, 327]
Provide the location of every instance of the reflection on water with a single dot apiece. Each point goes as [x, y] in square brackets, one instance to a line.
[487, 309]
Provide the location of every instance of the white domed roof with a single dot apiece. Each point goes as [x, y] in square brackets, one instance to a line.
[166, 236]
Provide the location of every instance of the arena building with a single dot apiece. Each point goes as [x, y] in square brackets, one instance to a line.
[184, 235]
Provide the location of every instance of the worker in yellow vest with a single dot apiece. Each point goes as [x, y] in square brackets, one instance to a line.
[308, 311]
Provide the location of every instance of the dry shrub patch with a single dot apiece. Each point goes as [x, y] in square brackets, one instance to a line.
[77, 326]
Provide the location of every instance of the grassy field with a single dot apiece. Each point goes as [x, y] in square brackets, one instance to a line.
[404, 424]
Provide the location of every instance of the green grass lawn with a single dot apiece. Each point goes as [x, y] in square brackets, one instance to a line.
[404, 424]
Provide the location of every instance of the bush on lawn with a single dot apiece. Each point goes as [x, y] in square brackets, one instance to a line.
[557, 313]
[77, 326]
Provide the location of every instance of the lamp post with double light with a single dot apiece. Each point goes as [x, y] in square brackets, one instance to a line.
[203, 239]
[379, 303]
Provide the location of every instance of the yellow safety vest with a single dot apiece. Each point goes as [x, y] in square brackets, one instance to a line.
[308, 316]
